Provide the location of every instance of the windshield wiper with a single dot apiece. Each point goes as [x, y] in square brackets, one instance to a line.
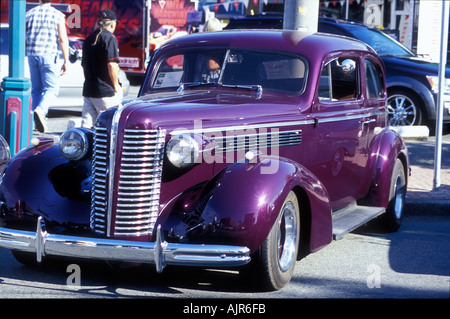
[252, 87]
[186, 85]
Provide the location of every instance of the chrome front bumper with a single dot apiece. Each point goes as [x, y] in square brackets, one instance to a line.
[160, 253]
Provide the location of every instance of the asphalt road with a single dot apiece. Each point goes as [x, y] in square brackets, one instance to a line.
[423, 152]
[412, 263]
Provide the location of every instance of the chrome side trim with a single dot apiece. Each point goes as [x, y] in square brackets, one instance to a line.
[348, 117]
[241, 127]
[274, 125]
[159, 253]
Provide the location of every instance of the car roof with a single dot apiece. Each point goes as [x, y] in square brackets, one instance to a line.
[274, 21]
[344, 26]
[307, 44]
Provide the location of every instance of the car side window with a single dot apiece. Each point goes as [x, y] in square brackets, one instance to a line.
[339, 80]
[374, 80]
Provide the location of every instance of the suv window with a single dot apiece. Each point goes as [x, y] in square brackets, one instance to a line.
[374, 80]
[339, 80]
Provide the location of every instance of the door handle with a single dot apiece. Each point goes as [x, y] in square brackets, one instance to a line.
[367, 121]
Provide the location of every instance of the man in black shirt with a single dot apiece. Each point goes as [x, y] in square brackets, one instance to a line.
[100, 63]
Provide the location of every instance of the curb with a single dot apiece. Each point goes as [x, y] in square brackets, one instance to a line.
[419, 207]
[412, 133]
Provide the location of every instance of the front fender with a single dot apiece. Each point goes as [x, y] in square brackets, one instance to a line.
[40, 182]
[240, 205]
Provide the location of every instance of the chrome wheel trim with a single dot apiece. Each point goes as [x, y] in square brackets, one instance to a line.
[401, 111]
[399, 195]
[287, 236]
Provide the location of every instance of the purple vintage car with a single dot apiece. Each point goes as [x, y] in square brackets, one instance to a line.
[245, 149]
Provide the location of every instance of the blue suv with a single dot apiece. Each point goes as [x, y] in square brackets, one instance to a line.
[412, 82]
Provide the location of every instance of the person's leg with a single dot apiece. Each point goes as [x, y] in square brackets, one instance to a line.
[50, 82]
[88, 113]
[92, 107]
[35, 77]
[50, 87]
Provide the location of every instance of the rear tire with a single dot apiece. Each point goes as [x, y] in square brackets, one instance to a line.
[394, 212]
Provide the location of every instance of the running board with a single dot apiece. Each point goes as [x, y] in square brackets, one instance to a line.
[351, 217]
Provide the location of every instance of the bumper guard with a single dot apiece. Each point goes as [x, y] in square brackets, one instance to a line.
[160, 253]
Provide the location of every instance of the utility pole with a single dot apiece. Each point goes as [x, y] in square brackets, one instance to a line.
[15, 96]
[302, 15]
[440, 102]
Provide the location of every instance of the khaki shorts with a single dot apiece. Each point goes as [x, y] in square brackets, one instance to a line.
[92, 107]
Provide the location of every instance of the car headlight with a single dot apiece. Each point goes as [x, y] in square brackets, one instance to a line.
[74, 144]
[183, 151]
[434, 82]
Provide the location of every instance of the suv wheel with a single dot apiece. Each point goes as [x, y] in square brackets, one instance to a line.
[404, 109]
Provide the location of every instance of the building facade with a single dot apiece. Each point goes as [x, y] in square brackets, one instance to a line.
[414, 23]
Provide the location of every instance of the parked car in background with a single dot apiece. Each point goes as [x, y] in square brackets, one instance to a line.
[245, 150]
[71, 84]
[164, 33]
[412, 81]
[5, 153]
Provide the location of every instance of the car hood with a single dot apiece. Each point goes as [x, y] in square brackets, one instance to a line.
[216, 108]
[412, 65]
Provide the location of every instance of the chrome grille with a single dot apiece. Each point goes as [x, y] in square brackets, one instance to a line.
[99, 181]
[139, 183]
[257, 141]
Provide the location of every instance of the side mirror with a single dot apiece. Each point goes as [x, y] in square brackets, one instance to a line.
[348, 65]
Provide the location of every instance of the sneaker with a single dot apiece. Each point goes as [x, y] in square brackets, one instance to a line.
[39, 121]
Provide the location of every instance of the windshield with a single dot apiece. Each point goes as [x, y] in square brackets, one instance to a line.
[271, 71]
[380, 42]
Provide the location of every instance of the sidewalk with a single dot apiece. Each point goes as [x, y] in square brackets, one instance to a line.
[421, 199]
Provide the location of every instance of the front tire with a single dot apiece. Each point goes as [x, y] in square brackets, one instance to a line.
[273, 265]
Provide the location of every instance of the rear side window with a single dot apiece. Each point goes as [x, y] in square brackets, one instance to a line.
[374, 80]
[339, 80]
